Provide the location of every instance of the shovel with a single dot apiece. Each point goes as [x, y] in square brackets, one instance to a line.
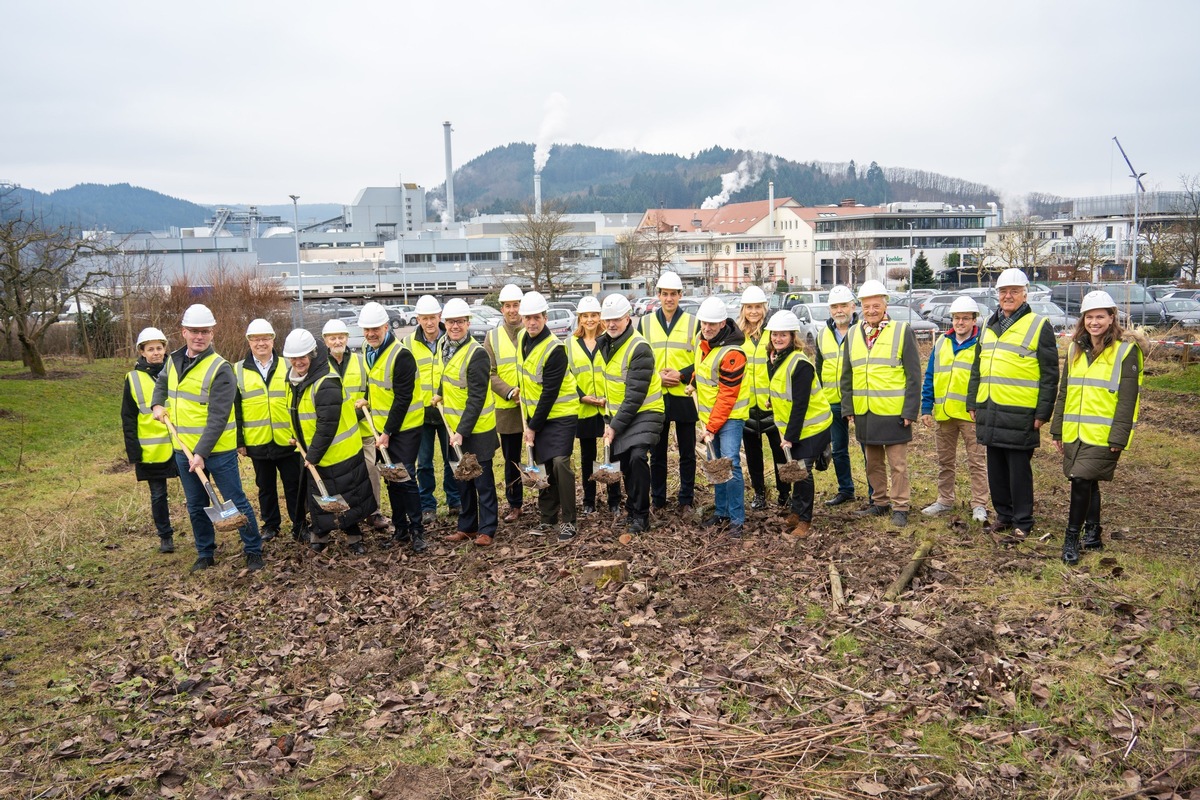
[464, 467]
[392, 473]
[333, 504]
[224, 514]
[532, 474]
[717, 470]
[608, 472]
[792, 471]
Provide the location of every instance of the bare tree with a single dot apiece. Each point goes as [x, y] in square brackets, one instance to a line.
[1089, 254]
[1021, 245]
[136, 283]
[1184, 234]
[632, 253]
[856, 256]
[547, 251]
[980, 260]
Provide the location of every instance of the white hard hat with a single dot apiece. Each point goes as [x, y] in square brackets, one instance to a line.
[456, 308]
[151, 335]
[713, 309]
[372, 315]
[259, 327]
[335, 326]
[299, 343]
[669, 280]
[533, 303]
[840, 294]
[615, 306]
[752, 295]
[1096, 300]
[588, 305]
[872, 289]
[783, 321]
[428, 304]
[510, 293]
[964, 305]
[1012, 277]
[198, 316]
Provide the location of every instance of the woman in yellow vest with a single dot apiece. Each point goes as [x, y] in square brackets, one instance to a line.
[751, 318]
[800, 411]
[1097, 408]
[147, 441]
[325, 424]
[588, 368]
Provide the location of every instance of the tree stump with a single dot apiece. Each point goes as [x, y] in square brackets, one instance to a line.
[601, 573]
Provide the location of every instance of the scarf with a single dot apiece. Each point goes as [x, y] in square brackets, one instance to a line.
[871, 332]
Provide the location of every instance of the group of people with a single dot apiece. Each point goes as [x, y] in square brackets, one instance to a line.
[320, 419]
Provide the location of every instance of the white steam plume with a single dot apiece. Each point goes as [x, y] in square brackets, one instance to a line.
[748, 173]
[552, 123]
[439, 208]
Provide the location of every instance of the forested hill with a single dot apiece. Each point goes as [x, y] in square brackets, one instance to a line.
[116, 207]
[596, 179]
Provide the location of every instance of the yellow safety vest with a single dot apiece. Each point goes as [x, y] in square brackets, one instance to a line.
[187, 402]
[675, 351]
[380, 395]
[589, 378]
[708, 374]
[265, 416]
[877, 375]
[1092, 394]
[505, 351]
[817, 417]
[454, 391]
[429, 368]
[530, 370]
[831, 363]
[616, 374]
[347, 443]
[152, 435]
[354, 384]
[951, 374]
[756, 369]
[1009, 372]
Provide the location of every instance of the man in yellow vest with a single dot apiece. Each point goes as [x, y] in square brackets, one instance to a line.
[633, 405]
[263, 432]
[197, 390]
[147, 441]
[501, 347]
[423, 341]
[470, 411]
[672, 335]
[1010, 397]
[398, 412]
[830, 366]
[881, 395]
[351, 367]
[944, 400]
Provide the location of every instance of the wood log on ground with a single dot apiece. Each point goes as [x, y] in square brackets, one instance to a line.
[910, 570]
[835, 588]
[602, 573]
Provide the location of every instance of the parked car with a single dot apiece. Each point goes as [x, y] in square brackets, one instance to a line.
[479, 326]
[1182, 311]
[789, 299]
[687, 304]
[1190, 294]
[938, 314]
[923, 328]
[1138, 305]
[929, 302]
[1160, 292]
[560, 321]
[1058, 318]
[812, 318]
[406, 313]
[487, 312]
[1068, 296]
[356, 340]
[639, 305]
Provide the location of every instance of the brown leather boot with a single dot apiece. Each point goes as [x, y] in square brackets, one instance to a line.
[792, 521]
[802, 530]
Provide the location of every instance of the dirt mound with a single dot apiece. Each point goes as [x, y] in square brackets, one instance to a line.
[409, 782]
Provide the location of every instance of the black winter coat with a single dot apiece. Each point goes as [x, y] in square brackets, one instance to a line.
[632, 428]
[802, 381]
[129, 422]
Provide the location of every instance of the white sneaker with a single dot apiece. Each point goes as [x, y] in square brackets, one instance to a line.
[935, 509]
[979, 514]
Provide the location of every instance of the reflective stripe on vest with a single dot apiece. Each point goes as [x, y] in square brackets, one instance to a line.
[347, 443]
[589, 380]
[455, 391]
[1009, 373]
[504, 350]
[951, 374]
[831, 364]
[616, 378]
[674, 351]
[354, 384]
[877, 375]
[429, 368]
[1091, 401]
[530, 369]
[708, 375]
[152, 435]
[817, 417]
[264, 406]
[380, 377]
[187, 402]
[756, 370]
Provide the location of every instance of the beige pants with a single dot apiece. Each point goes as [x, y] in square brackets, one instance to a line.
[880, 460]
[946, 440]
[372, 467]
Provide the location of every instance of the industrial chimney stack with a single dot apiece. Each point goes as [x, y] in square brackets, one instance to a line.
[449, 176]
[537, 193]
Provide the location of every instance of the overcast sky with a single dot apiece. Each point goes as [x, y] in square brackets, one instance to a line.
[248, 102]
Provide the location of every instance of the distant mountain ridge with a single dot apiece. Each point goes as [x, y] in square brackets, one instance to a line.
[116, 207]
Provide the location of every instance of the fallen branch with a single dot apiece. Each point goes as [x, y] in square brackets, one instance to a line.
[835, 588]
[910, 570]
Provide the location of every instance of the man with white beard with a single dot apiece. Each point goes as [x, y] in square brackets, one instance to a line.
[830, 365]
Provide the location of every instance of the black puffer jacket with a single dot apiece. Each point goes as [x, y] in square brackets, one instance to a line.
[347, 477]
[632, 428]
[1011, 427]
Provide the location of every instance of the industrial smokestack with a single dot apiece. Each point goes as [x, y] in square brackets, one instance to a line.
[449, 176]
[537, 193]
[771, 205]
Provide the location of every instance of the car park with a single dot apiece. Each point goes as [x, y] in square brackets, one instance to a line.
[923, 328]
[1159, 292]
[1182, 311]
[1190, 294]
[939, 314]
[1058, 319]
[812, 318]
[408, 314]
[639, 305]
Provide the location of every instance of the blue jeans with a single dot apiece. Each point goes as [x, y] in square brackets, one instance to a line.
[841, 450]
[731, 495]
[426, 483]
[222, 469]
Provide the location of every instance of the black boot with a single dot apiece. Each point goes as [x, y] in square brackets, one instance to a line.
[1070, 551]
[166, 544]
[1091, 536]
[417, 537]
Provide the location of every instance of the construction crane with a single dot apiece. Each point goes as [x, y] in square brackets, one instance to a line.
[1137, 194]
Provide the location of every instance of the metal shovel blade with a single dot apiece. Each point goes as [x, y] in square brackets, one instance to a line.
[532, 474]
[608, 472]
[333, 504]
[716, 470]
[223, 515]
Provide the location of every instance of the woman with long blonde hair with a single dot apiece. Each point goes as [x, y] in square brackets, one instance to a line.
[751, 320]
[588, 369]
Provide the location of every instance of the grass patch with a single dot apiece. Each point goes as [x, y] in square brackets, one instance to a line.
[1178, 378]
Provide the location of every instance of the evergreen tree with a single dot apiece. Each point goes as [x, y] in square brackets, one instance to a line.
[922, 275]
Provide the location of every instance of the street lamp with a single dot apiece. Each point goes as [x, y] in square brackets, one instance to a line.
[911, 225]
[299, 271]
[1137, 194]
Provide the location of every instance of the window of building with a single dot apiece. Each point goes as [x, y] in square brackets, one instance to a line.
[1108, 232]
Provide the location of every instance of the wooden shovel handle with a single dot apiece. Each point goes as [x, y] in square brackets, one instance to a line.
[445, 424]
[311, 468]
[371, 424]
[187, 451]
